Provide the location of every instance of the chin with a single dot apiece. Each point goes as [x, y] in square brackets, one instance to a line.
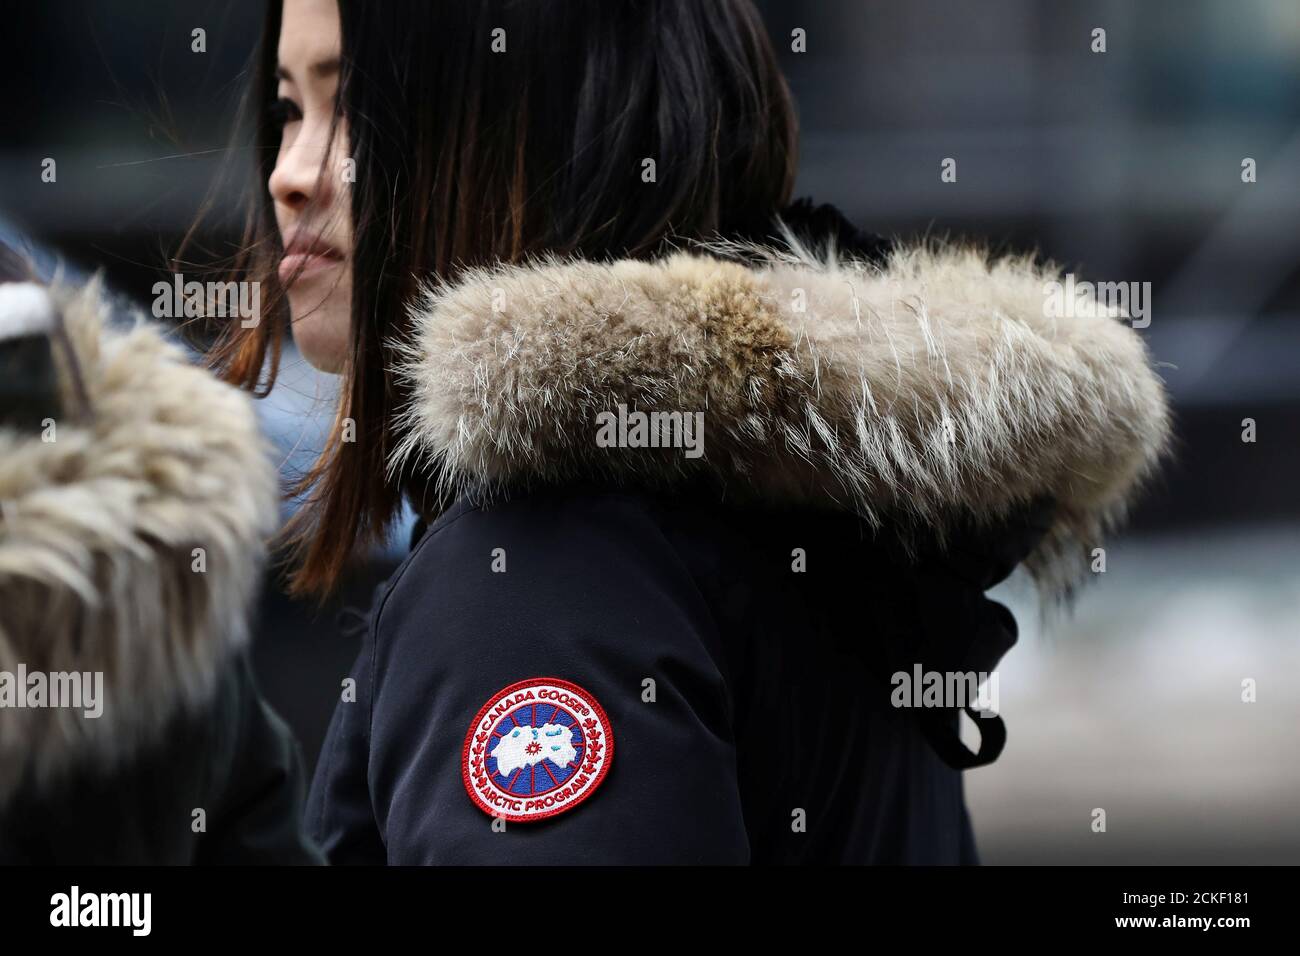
[322, 339]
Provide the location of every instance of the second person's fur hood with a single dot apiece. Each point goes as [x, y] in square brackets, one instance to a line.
[132, 538]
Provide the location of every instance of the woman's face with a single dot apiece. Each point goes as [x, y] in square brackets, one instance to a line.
[309, 185]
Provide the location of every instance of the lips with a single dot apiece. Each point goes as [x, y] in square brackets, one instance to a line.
[305, 256]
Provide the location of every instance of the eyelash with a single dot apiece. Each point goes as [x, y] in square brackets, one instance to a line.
[283, 111]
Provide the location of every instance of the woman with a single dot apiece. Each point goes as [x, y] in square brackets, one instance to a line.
[687, 510]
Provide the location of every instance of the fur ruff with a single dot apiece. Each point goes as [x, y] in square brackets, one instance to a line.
[97, 544]
[914, 392]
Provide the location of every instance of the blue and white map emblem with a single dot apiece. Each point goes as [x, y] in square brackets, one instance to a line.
[537, 748]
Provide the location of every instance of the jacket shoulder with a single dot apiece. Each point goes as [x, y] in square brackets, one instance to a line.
[564, 538]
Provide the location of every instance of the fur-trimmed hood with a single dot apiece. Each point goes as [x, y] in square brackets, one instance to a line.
[102, 516]
[926, 387]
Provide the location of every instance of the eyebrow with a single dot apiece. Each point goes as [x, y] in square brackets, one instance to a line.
[322, 69]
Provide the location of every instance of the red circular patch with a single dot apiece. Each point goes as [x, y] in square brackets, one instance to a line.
[535, 749]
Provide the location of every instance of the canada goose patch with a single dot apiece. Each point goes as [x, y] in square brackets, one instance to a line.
[535, 749]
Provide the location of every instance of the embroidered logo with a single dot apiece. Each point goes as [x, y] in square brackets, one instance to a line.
[537, 748]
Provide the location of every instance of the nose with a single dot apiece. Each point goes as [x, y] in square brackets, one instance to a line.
[300, 178]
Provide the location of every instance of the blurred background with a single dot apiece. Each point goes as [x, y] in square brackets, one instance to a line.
[1123, 166]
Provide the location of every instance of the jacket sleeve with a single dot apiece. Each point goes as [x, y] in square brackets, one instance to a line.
[588, 591]
[257, 816]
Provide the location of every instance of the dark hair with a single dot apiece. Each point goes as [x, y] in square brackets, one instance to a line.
[467, 154]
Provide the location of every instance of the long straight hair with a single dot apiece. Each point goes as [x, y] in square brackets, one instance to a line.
[494, 130]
